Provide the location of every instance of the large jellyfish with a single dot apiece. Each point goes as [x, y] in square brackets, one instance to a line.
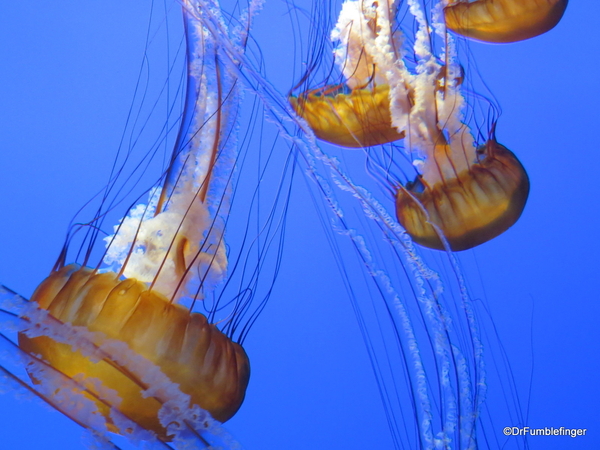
[115, 345]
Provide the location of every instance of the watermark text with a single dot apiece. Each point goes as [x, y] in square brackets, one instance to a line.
[528, 431]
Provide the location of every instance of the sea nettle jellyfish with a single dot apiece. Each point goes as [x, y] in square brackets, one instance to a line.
[117, 345]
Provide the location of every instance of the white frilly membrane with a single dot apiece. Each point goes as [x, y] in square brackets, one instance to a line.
[185, 239]
[425, 103]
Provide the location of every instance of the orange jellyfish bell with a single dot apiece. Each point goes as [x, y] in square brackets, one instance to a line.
[360, 118]
[469, 207]
[503, 21]
[206, 364]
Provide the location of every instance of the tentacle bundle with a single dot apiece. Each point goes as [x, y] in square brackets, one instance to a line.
[503, 21]
[476, 205]
[207, 365]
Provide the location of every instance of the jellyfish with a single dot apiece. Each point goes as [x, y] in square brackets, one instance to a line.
[357, 118]
[117, 345]
[355, 113]
[503, 21]
[468, 206]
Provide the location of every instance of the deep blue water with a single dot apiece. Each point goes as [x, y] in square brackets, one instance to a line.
[69, 72]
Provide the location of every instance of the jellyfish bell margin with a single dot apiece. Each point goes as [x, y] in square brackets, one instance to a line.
[503, 21]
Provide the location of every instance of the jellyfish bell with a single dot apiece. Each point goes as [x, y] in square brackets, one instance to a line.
[466, 207]
[194, 354]
[358, 118]
[503, 21]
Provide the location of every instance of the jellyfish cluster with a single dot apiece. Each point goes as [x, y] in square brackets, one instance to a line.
[146, 341]
[464, 193]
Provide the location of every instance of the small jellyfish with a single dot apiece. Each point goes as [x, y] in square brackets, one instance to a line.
[355, 113]
[467, 207]
[503, 21]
